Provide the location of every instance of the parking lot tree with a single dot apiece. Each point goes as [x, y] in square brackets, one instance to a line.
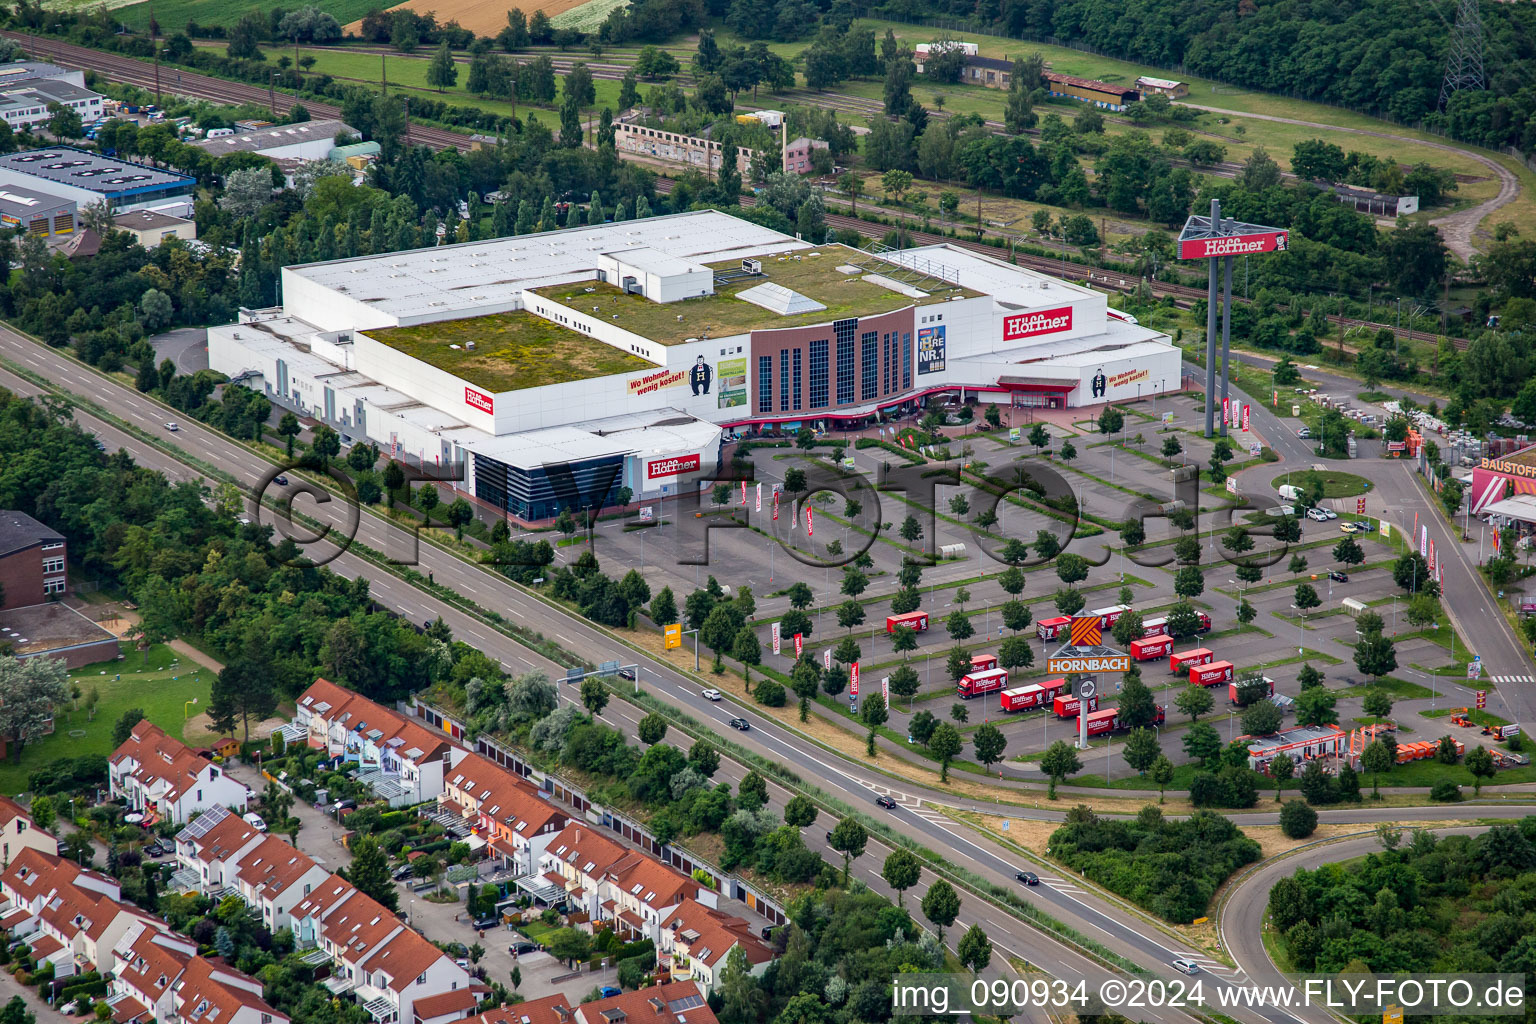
[1189, 582]
[1039, 437]
[1316, 707]
[1011, 580]
[594, 696]
[907, 599]
[1015, 652]
[910, 575]
[958, 663]
[1309, 677]
[1424, 609]
[1348, 552]
[1445, 751]
[1133, 534]
[849, 614]
[958, 626]
[1262, 719]
[854, 582]
[795, 622]
[1246, 612]
[849, 838]
[1069, 601]
[960, 713]
[1047, 545]
[904, 640]
[1297, 819]
[794, 481]
[1016, 615]
[1251, 691]
[1068, 451]
[1377, 760]
[1127, 627]
[911, 530]
[1142, 749]
[1172, 447]
[905, 681]
[804, 678]
[834, 680]
[800, 811]
[1306, 597]
[1411, 572]
[1480, 763]
[1136, 705]
[1287, 529]
[873, 714]
[800, 595]
[1249, 574]
[652, 729]
[959, 506]
[901, 871]
[369, 872]
[1203, 743]
[1183, 621]
[941, 905]
[1237, 540]
[1059, 761]
[664, 607]
[720, 628]
[944, 745]
[1111, 420]
[1378, 704]
[846, 652]
[921, 727]
[988, 743]
[1195, 701]
[1376, 655]
[1186, 550]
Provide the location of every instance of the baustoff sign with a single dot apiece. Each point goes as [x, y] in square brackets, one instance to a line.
[1041, 321]
[671, 467]
[1504, 466]
[1232, 245]
[479, 400]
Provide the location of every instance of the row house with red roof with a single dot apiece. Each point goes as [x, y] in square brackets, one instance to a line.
[401, 760]
[629, 891]
[159, 976]
[696, 940]
[19, 832]
[394, 972]
[164, 779]
[218, 854]
[511, 815]
[70, 917]
[677, 1002]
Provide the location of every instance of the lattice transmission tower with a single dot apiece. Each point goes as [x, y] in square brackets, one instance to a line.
[1464, 59]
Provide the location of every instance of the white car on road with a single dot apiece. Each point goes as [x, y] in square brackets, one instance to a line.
[1186, 965]
[710, 694]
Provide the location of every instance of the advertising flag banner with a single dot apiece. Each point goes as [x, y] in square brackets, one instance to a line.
[1431, 558]
[1246, 410]
[775, 638]
[775, 506]
[809, 530]
[885, 691]
[1226, 411]
[826, 660]
[853, 680]
[759, 497]
[799, 645]
[743, 492]
[1424, 541]
[1497, 544]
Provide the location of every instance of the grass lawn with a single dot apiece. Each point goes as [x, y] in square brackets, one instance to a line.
[161, 690]
[1402, 689]
[173, 15]
[1336, 484]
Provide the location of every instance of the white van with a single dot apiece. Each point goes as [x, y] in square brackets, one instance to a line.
[1289, 492]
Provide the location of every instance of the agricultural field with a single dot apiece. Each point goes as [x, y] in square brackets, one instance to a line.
[173, 15]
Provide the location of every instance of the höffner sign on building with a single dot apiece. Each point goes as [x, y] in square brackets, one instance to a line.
[1232, 245]
[1044, 321]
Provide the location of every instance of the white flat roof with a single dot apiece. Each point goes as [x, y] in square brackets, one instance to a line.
[661, 432]
[1519, 506]
[454, 281]
[654, 261]
[1005, 282]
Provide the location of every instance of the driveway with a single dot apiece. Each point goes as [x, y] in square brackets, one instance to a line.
[187, 347]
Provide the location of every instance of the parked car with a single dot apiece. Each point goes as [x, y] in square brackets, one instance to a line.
[1317, 515]
[1339, 577]
[886, 802]
[1330, 513]
[254, 820]
[519, 948]
[402, 872]
[485, 923]
[710, 694]
[1304, 432]
[1028, 877]
[608, 991]
[1186, 965]
[742, 724]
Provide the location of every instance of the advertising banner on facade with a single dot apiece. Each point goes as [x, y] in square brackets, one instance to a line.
[731, 389]
[1041, 321]
[660, 468]
[655, 380]
[930, 350]
[1232, 245]
[479, 400]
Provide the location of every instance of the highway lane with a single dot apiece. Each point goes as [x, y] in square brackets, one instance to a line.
[855, 786]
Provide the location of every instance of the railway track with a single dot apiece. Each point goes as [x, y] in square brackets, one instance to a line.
[197, 86]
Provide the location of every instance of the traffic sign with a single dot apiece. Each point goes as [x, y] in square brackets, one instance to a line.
[673, 635]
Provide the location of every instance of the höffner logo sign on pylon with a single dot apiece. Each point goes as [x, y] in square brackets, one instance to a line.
[1042, 321]
[1232, 245]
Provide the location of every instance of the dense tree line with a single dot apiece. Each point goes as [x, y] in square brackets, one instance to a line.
[1380, 56]
[1171, 868]
[1457, 903]
[195, 571]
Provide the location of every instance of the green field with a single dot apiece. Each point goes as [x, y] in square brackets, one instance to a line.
[173, 15]
[1336, 484]
[161, 690]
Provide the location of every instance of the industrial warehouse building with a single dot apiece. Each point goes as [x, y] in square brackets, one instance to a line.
[85, 178]
[572, 363]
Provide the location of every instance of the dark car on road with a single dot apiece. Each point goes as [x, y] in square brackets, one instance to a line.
[886, 802]
[1028, 877]
[742, 724]
[1339, 577]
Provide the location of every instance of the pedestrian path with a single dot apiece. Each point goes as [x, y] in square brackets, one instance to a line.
[1512, 679]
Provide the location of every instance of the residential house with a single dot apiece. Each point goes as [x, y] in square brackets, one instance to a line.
[695, 940]
[991, 72]
[396, 974]
[208, 850]
[69, 916]
[508, 813]
[273, 877]
[617, 886]
[166, 780]
[18, 832]
[676, 1002]
[555, 1009]
[1149, 86]
[150, 227]
[159, 976]
[400, 759]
